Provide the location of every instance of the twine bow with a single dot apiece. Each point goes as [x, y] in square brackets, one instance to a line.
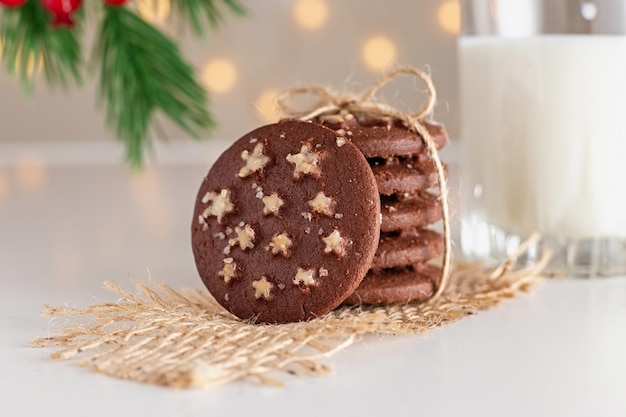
[334, 104]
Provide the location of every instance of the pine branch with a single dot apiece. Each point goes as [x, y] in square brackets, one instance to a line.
[142, 72]
[28, 43]
[202, 14]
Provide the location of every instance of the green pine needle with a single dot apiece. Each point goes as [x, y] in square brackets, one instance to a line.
[202, 14]
[142, 72]
[29, 43]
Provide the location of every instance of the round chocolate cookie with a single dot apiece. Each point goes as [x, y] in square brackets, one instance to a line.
[383, 137]
[407, 247]
[396, 285]
[286, 223]
[402, 212]
[395, 178]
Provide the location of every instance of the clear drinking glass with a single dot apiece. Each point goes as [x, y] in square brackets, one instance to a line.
[543, 131]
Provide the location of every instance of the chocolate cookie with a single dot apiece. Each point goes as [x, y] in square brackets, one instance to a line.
[286, 223]
[392, 179]
[383, 137]
[408, 211]
[397, 285]
[407, 247]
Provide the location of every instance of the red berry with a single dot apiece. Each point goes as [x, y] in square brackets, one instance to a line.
[12, 3]
[62, 10]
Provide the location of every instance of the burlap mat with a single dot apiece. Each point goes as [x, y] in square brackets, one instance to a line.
[184, 339]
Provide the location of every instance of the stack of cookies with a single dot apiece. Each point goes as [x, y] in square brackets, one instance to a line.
[296, 218]
[405, 174]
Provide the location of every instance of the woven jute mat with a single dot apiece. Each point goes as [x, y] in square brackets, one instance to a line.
[184, 339]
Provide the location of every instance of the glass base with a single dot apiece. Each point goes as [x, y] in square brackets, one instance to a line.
[586, 258]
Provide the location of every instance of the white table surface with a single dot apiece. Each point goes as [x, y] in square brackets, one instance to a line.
[557, 351]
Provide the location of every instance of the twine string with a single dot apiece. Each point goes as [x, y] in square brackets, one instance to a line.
[329, 103]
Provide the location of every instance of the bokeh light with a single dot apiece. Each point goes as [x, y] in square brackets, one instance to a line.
[266, 106]
[219, 75]
[145, 189]
[310, 14]
[31, 172]
[4, 187]
[449, 16]
[33, 63]
[379, 52]
[154, 11]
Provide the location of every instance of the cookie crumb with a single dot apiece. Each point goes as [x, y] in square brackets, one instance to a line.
[220, 235]
[281, 286]
[255, 161]
[340, 142]
[254, 140]
[259, 194]
[341, 132]
[307, 230]
[323, 272]
[262, 288]
[306, 215]
[226, 250]
[338, 215]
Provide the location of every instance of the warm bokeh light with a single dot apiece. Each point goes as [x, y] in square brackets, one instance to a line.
[310, 14]
[266, 106]
[154, 11]
[33, 63]
[156, 216]
[219, 75]
[449, 16]
[144, 187]
[4, 187]
[31, 172]
[379, 52]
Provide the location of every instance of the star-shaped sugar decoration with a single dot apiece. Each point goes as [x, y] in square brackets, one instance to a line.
[335, 243]
[255, 161]
[305, 277]
[272, 203]
[220, 204]
[280, 244]
[262, 288]
[323, 204]
[244, 237]
[229, 271]
[306, 162]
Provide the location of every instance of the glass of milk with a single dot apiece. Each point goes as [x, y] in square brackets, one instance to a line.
[543, 131]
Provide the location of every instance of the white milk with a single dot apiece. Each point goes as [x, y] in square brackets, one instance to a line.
[544, 134]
